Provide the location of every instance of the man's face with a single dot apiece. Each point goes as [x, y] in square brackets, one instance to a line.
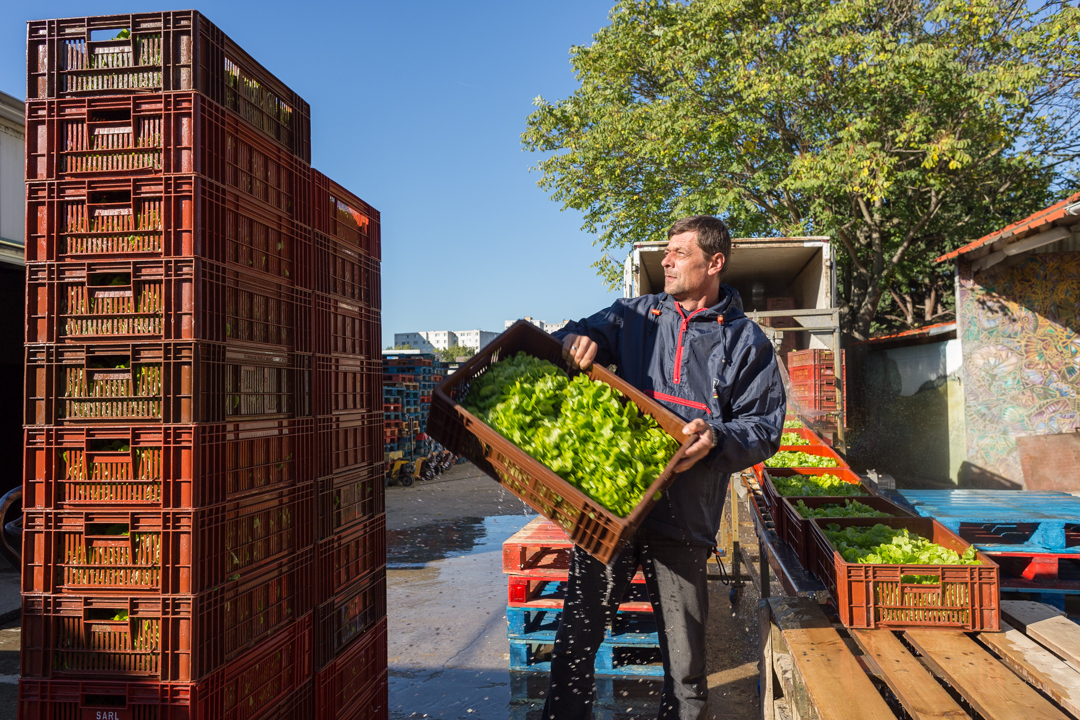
[687, 271]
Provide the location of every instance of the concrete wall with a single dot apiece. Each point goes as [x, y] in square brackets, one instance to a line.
[912, 418]
[12, 177]
[1019, 326]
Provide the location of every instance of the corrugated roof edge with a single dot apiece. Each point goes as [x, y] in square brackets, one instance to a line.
[1035, 221]
[928, 330]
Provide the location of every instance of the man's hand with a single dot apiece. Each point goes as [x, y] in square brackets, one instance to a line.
[701, 446]
[579, 351]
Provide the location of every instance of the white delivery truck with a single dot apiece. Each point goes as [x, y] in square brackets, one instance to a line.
[794, 275]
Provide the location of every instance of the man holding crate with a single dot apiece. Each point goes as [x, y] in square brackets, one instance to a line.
[693, 350]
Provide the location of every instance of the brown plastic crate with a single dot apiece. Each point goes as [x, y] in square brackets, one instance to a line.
[347, 328]
[348, 615]
[164, 217]
[165, 552]
[344, 384]
[344, 271]
[773, 498]
[170, 639]
[170, 51]
[355, 686]
[780, 303]
[171, 383]
[797, 358]
[874, 596]
[350, 558]
[345, 500]
[796, 528]
[172, 467]
[591, 526]
[60, 699]
[345, 442]
[184, 299]
[344, 217]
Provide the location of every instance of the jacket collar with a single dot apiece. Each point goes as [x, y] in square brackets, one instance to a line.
[729, 306]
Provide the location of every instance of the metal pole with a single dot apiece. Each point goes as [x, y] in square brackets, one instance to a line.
[838, 374]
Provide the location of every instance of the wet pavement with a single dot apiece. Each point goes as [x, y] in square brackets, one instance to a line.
[446, 600]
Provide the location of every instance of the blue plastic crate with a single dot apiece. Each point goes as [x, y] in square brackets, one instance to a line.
[540, 625]
[1004, 520]
[1047, 596]
[612, 659]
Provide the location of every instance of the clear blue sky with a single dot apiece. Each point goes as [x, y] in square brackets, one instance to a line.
[418, 107]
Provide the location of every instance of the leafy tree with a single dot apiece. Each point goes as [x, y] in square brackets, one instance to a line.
[404, 346]
[453, 352]
[901, 128]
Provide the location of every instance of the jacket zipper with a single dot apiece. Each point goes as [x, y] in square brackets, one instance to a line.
[677, 374]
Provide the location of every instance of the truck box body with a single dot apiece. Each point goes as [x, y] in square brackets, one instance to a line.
[760, 269]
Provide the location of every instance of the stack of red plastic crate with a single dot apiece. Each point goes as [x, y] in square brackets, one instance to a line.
[813, 383]
[204, 535]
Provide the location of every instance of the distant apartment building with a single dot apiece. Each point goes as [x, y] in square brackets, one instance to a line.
[432, 340]
[545, 326]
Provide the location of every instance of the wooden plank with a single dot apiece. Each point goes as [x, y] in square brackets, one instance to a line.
[911, 683]
[1036, 665]
[991, 688]
[1045, 625]
[837, 686]
[767, 678]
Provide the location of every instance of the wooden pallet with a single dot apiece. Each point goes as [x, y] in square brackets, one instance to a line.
[812, 668]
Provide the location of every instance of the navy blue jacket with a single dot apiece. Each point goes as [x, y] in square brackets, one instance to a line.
[714, 364]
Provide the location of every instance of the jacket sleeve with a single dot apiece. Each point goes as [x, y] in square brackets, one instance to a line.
[604, 328]
[751, 433]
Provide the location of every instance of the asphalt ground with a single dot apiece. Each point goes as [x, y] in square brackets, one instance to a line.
[446, 600]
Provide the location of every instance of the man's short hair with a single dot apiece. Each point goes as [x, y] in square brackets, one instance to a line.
[712, 235]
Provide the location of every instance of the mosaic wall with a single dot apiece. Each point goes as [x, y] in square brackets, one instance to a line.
[1020, 332]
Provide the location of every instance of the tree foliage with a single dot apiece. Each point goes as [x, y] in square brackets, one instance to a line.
[453, 352]
[900, 128]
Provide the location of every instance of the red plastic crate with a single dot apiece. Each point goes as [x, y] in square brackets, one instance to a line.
[348, 615]
[170, 639]
[796, 528]
[178, 467]
[342, 501]
[339, 214]
[355, 685]
[875, 596]
[97, 700]
[806, 434]
[165, 552]
[171, 382]
[163, 217]
[346, 328]
[349, 558]
[344, 271]
[814, 395]
[772, 497]
[186, 299]
[812, 373]
[347, 385]
[345, 442]
[170, 51]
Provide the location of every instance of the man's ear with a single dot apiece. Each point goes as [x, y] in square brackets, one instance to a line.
[717, 263]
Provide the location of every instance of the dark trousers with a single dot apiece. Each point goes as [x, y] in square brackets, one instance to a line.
[675, 576]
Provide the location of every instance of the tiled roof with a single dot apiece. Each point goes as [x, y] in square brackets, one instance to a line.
[1038, 221]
